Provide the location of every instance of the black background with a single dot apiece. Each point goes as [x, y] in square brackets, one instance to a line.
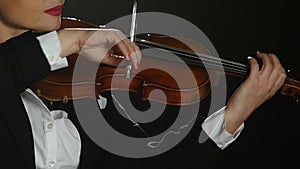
[237, 28]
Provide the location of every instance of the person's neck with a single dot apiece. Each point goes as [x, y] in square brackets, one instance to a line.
[7, 32]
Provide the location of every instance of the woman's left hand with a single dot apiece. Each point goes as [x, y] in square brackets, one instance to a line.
[260, 85]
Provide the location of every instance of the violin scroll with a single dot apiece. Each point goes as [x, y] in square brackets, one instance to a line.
[291, 88]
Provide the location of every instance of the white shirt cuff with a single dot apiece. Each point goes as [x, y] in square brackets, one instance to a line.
[51, 47]
[215, 128]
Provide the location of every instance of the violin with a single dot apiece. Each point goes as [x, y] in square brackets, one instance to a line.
[60, 84]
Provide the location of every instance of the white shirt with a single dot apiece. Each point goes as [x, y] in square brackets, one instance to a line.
[56, 140]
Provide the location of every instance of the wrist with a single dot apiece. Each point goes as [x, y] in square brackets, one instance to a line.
[69, 41]
[233, 120]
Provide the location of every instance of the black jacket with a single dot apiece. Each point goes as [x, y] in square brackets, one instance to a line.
[22, 63]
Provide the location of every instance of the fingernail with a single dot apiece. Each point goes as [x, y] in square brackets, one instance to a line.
[117, 56]
[249, 57]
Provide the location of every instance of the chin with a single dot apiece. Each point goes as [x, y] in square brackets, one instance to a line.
[52, 25]
[56, 25]
[47, 25]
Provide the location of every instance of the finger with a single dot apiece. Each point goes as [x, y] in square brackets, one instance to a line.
[277, 83]
[130, 51]
[122, 44]
[132, 47]
[138, 52]
[136, 55]
[129, 45]
[254, 67]
[280, 81]
[267, 64]
[274, 58]
[278, 70]
[278, 74]
[132, 55]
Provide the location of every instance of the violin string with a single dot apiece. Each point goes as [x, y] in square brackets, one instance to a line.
[199, 63]
[190, 53]
[208, 65]
[225, 68]
[215, 61]
[210, 62]
[218, 65]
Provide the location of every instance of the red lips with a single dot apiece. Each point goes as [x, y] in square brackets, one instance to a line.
[56, 11]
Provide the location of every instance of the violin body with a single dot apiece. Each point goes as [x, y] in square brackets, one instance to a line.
[144, 82]
[181, 85]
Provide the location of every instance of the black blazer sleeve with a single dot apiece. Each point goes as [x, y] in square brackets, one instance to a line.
[22, 62]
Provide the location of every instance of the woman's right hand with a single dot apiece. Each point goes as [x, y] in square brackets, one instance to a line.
[99, 45]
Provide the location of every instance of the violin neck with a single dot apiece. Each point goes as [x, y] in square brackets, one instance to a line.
[291, 87]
